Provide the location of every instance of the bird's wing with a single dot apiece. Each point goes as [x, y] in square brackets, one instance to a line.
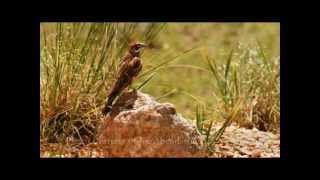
[122, 78]
[124, 69]
[126, 58]
[127, 71]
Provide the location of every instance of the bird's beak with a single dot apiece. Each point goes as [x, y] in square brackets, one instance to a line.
[143, 45]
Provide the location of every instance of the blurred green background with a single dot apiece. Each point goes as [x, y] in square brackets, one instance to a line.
[212, 39]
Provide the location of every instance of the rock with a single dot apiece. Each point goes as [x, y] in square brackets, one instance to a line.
[138, 126]
[256, 153]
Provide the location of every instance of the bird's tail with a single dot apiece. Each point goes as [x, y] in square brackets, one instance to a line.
[117, 88]
[108, 106]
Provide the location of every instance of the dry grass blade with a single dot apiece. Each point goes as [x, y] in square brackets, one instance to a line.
[188, 66]
[152, 30]
[192, 97]
[173, 91]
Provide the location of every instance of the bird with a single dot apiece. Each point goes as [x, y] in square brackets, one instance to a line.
[129, 68]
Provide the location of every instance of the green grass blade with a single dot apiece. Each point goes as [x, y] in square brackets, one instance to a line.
[153, 69]
[227, 72]
[208, 132]
[213, 68]
[264, 58]
[228, 64]
[146, 81]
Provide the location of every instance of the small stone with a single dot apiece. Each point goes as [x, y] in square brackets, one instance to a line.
[256, 153]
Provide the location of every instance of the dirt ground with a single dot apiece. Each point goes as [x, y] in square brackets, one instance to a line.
[236, 142]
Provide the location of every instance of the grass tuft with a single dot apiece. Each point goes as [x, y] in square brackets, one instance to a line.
[78, 63]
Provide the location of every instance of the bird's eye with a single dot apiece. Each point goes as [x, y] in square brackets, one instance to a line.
[137, 48]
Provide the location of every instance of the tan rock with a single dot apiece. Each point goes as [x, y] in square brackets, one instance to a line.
[138, 126]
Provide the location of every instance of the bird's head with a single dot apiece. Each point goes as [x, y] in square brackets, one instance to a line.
[135, 48]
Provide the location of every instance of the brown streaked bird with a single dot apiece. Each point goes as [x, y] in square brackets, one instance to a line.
[129, 68]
